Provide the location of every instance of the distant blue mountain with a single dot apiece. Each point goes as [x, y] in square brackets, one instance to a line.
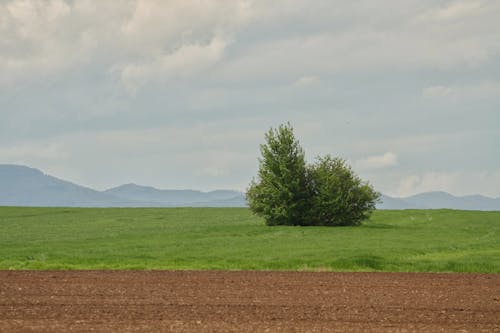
[24, 186]
[177, 197]
[436, 200]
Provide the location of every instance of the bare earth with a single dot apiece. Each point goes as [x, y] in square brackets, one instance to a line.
[215, 301]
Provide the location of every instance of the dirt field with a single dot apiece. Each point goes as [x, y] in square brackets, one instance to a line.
[248, 301]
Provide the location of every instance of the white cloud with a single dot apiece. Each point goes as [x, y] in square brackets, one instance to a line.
[182, 63]
[306, 81]
[27, 15]
[143, 40]
[361, 38]
[436, 91]
[378, 161]
[140, 37]
[40, 38]
[456, 10]
[185, 20]
[43, 38]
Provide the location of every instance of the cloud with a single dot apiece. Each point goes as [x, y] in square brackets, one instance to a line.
[455, 10]
[378, 161]
[44, 38]
[361, 38]
[41, 38]
[184, 62]
[141, 41]
[306, 81]
[436, 91]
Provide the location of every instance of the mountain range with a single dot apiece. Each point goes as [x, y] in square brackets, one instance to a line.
[25, 186]
[437, 200]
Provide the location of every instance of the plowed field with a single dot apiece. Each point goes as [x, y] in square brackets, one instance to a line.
[248, 301]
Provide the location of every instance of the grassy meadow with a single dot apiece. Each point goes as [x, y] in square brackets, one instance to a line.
[234, 239]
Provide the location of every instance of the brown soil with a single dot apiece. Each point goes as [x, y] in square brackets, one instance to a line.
[212, 301]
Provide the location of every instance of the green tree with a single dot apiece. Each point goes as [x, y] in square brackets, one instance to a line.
[289, 192]
[338, 196]
[280, 193]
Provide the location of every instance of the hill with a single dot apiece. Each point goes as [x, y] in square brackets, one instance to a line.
[159, 197]
[24, 186]
[437, 200]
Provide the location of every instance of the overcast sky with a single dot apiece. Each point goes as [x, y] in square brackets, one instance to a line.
[179, 94]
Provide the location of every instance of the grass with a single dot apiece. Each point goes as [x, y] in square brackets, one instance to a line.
[234, 239]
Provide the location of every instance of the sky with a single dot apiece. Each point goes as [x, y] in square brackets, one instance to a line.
[178, 94]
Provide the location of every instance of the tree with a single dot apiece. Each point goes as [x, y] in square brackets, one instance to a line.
[339, 197]
[280, 193]
[289, 192]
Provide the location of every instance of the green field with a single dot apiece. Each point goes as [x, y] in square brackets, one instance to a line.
[234, 239]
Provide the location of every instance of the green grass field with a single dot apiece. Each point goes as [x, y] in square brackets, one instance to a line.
[234, 239]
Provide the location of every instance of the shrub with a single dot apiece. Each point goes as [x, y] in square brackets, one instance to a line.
[338, 196]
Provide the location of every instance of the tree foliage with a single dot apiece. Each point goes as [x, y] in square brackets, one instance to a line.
[338, 196]
[289, 192]
[280, 194]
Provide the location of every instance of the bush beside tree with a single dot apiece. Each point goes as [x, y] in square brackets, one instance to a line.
[338, 196]
[290, 192]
